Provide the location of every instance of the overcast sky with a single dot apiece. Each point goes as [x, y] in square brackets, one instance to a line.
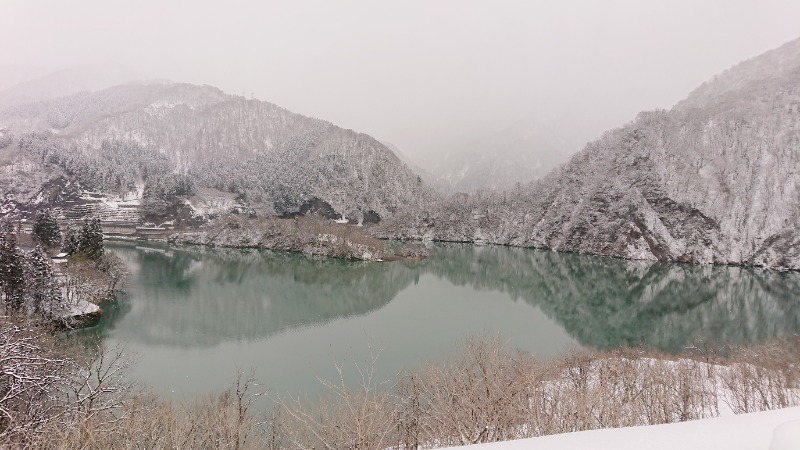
[422, 75]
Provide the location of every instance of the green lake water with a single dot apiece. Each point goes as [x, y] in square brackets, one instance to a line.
[195, 316]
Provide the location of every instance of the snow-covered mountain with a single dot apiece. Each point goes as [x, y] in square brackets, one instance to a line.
[283, 162]
[713, 180]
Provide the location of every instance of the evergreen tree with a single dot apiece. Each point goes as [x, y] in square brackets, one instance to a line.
[46, 228]
[6, 138]
[43, 293]
[90, 241]
[12, 274]
[71, 242]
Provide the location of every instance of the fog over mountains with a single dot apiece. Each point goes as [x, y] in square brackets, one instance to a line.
[520, 153]
[712, 180]
[715, 179]
[27, 85]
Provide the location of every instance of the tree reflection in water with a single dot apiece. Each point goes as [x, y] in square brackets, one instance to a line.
[198, 297]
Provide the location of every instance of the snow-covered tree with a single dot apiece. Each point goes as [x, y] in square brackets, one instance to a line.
[6, 138]
[71, 242]
[46, 228]
[169, 186]
[43, 295]
[90, 240]
[12, 274]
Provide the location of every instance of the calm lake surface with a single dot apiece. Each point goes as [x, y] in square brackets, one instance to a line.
[194, 316]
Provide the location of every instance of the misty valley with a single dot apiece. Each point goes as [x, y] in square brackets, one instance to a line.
[534, 227]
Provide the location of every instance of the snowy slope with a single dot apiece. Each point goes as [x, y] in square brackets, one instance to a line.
[714, 180]
[767, 430]
[268, 155]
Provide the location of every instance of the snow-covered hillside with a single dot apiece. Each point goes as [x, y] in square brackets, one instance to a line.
[714, 180]
[179, 135]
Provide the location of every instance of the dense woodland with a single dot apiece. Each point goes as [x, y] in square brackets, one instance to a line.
[173, 137]
[31, 286]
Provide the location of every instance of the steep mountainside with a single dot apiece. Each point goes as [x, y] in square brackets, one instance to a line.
[180, 135]
[714, 180]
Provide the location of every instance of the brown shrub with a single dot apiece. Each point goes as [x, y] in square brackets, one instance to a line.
[360, 418]
[481, 395]
[44, 386]
[484, 393]
[222, 421]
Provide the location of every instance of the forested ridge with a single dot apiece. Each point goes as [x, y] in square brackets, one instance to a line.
[713, 180]
[170, 138]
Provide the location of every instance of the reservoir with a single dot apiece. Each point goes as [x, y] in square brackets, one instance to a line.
[194, 316]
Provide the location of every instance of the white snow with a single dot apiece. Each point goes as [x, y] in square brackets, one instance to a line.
[116, 203]
[327, 238]
[80, 309]
[786, 436]
[39, 198]
[767, 430]
[18, 167]
[209, 201]
[162, 107]
[83, 308]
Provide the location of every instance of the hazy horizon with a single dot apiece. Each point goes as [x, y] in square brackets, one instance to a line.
[424, 76]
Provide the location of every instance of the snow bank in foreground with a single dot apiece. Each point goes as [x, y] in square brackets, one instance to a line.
[767, 430]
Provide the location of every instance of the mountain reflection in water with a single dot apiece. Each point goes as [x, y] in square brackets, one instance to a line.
[195, 315]
[200, 297]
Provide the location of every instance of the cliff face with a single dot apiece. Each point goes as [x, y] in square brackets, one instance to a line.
[714, 180]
